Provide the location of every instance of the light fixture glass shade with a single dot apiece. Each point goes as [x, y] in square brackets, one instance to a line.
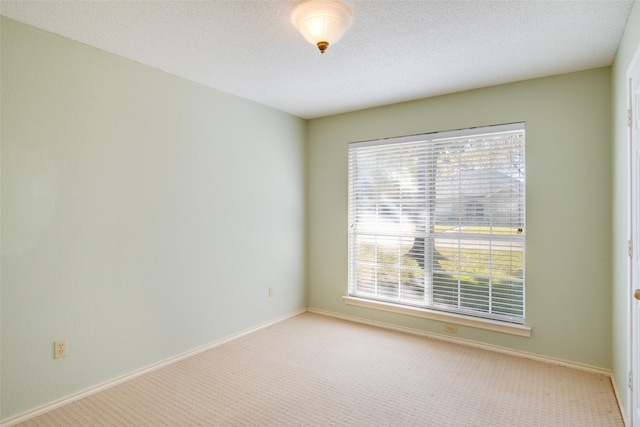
[322, 22]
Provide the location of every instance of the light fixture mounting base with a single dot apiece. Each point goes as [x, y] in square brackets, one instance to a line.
[323, 46]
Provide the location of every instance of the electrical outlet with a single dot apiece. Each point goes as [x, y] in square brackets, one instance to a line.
[452, 329]
[270, 291]
[59, 349]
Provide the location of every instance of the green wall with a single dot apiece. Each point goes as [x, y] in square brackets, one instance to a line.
[621, 294]
[143, 215]
[568, 205]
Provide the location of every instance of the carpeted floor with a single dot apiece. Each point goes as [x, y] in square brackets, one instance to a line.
[313, 370]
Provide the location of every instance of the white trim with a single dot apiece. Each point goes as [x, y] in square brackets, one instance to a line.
[629, 409]
[619, 401]
[470, 343]
[123, 378]
[458, 319]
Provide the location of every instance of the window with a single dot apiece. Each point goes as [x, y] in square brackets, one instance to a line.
[437, 221]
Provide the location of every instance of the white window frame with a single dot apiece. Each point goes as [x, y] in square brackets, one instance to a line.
[426, 307]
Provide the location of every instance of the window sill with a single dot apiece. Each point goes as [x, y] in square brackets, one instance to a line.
[458, 319]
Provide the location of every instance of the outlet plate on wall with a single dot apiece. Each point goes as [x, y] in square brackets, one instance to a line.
[452, 329]
[59, 349]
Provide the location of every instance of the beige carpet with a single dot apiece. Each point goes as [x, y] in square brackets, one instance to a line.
[313, 370]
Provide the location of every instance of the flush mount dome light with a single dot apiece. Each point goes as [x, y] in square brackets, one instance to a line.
[322, 22]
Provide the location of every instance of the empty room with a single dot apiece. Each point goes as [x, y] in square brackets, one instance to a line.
[346, 213]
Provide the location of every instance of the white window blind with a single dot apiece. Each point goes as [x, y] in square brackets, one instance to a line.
[438, 221]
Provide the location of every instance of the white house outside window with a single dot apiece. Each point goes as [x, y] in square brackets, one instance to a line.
[437, 221]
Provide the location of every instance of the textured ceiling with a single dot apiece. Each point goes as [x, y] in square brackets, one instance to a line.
[395, 51]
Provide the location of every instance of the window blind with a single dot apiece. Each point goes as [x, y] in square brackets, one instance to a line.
[438, 221]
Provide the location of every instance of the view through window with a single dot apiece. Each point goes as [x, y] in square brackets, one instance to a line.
[438, 221]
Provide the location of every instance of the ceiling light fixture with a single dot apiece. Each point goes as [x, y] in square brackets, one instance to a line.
[322, 22]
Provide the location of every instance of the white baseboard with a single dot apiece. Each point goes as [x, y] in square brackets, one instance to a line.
[119, 380]
[620, 405]
[470, 343]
